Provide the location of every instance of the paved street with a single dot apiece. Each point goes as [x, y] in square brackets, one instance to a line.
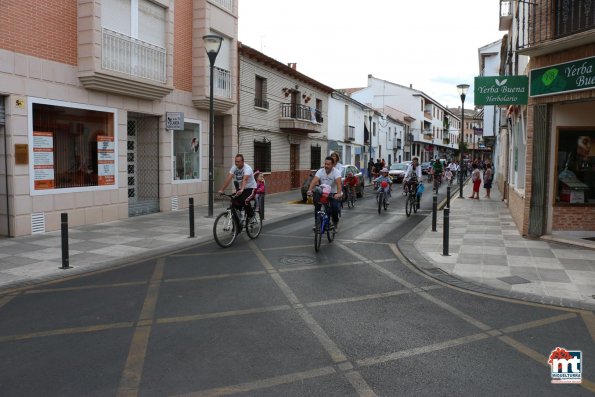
[270, 317]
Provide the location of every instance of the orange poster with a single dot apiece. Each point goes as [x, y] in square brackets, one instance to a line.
[106, 160]
[43, 160]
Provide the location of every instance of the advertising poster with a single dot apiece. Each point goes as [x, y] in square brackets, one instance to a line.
[576, 167]
[106, 160]
[43, 160]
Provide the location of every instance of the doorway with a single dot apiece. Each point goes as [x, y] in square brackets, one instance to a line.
[294, 165]
[143, 164]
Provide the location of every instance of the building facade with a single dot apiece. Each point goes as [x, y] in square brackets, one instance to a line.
[558, 195]
[346, 125]
[283, 128]
[84, 124]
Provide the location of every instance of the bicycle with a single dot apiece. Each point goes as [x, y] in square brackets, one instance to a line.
[230, 223]
[413, 198]
[350, 196]
[381, 200]
[323, 225]
[437, 181]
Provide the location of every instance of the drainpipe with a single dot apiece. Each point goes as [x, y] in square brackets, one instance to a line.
[6, 174]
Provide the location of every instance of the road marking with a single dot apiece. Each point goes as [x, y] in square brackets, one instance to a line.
[540, 358]
[133, 369]
[222, 252]
[263, 383]
[359, 298]
[214, 276]
[85, 287]
[5, 299]
[366, 362]
[589, 319]
[538, 323]
[231, 313]
[66, 331]
[359, 384]
[320, 266]
[286, 247]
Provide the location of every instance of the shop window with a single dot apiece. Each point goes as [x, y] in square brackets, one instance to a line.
[186, 152]
[575, 167]
[71, 147]
[262, 156]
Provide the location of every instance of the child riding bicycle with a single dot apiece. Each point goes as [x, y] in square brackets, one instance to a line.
[383, 183]
[349, 184]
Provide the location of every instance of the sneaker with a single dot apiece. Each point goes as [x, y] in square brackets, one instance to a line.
[313, 228]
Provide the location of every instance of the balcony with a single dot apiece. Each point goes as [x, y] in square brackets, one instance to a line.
[222, 92]
[399, 144]
[300, 118]
[505, 15]
[428, 115]
[128, 66]
[349, 133]
[551, 26]
[445, 141]
[225, 4]
[428, 137]
[222, 83]
[261, 103]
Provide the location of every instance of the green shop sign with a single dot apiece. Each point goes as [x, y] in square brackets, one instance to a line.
[501, 90]
[565, 77]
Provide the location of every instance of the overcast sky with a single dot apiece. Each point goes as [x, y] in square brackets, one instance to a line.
[431, 44]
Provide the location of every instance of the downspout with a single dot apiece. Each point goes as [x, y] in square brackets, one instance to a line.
[6, 173]
[238, 101]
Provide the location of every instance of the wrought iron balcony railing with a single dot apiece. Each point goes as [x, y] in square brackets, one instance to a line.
[227, 4]
[546, 20]
[301, 112]
[261, 103]
[133, 57]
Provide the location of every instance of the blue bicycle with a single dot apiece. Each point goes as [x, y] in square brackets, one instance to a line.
[323, 225]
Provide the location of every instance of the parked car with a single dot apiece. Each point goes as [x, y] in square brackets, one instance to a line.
[397, 172]
[359, 190]
[425, 168]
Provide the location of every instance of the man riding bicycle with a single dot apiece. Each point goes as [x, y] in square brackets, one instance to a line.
[412, 175]
[244, 182]
[350, 184]
[328, 175]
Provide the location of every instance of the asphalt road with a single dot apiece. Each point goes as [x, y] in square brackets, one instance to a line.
[271, 317]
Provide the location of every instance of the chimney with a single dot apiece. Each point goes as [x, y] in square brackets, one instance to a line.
[292, 65]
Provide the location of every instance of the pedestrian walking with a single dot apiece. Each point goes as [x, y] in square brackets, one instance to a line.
[476, 179]
[488, 175]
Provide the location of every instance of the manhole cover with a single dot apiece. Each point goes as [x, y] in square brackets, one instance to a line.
[297, 260]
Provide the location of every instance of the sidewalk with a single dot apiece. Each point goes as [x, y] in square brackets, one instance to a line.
[37, 258]
[488, 254]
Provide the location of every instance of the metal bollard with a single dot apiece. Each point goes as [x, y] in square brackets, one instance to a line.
[191, 215]
[64, 227]
[448, 196]
[445, 234]
[434, 211]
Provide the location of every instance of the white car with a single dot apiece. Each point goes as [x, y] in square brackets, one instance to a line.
[397, 172]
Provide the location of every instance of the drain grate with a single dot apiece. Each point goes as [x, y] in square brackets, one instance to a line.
[297, 260]
[436, 271]
[513, 280]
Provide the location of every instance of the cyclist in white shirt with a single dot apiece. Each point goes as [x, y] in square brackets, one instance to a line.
[413, 174]
[244, 183]
[328, 175]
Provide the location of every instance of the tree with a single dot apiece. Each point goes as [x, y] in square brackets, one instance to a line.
[462, 146]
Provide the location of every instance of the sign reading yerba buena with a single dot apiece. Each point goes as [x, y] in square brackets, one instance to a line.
[565, 77]
[501, 90]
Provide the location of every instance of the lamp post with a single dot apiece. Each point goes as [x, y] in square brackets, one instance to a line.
[212, 47]
[462, 88]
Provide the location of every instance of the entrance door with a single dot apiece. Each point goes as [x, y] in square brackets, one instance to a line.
[143, 164]
[294, 165]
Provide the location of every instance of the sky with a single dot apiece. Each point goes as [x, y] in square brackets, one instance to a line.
[431, 44]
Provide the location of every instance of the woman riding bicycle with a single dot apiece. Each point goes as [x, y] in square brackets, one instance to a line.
[383, 183]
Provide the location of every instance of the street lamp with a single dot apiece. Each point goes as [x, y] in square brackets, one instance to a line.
[212, 46]
[462, 88]
[370, 114]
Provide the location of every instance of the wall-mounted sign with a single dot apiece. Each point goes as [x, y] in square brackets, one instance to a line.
[174, 121]
[565, 77]
[106, 160]
[501, 90]
[21, 154]
[43, 160]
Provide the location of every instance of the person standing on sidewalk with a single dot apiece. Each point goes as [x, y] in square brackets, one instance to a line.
[370, 170]
[488, 175]
[476, 179]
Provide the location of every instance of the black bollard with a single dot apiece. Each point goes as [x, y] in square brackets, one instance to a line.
[191, 215]
[65, 256]
[434, 211]
[448, 196]
[445, 234]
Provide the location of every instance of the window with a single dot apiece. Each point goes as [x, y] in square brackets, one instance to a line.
[315, 160]
[575, 167]
[262, 156]
[319, 118]
[260, 92]
[71, 147]
[139, 19]
[186, 152]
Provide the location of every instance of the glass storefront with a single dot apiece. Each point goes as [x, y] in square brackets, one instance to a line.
[575, 167]
[186, 152]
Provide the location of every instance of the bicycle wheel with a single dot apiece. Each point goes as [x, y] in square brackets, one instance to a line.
[254, 226]
[409, 205]
[330, 231]
[380, 200]
[384, 203]
[317, 233]
[225, 229]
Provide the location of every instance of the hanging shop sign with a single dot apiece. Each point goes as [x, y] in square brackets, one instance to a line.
[106, 160]
[565, 77]
[43, 160]
[501, 90]
[174, 121]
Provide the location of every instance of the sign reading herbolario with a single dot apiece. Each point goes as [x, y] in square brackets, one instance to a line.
[501, 90]
[43, 160]
[106, 160]
[565, 77]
